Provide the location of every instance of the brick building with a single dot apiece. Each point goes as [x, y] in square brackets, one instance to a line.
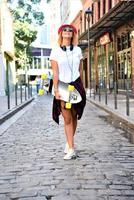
[111, 31]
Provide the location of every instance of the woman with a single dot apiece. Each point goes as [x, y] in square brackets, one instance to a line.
[38, 83]
[66, 65]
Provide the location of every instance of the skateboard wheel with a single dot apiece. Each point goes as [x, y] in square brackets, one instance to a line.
[44, 76]
[68, 105]
[70, 87]
[41, 91]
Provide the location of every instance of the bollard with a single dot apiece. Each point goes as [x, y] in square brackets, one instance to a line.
[21, 93]
[106, 95]
[115, 95]
[94, 94]
[16, 103]
[94, 90]
[90, 92]
[127, 99]
[31, 91]
[8, 97]
[99, 93]
[25, 93]
[28, 90]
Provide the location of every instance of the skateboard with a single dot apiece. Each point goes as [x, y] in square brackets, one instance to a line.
[68, 93]
[44, 84]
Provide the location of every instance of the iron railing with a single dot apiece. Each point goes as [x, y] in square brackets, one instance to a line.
[116, 100]
[20, 94]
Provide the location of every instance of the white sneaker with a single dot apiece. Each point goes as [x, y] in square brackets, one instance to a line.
[66, 148]
[70, 155]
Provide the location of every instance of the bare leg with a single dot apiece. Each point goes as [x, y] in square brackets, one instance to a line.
[74, 121]
[68, 125]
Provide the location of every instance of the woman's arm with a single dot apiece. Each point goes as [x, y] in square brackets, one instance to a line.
[55, 78]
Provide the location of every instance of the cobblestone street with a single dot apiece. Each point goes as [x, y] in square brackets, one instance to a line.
[32, 165]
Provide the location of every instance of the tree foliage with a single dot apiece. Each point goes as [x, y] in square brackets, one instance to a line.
[27, 17]
[25, 34]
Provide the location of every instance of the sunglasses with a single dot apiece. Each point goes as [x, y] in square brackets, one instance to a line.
[68, 30]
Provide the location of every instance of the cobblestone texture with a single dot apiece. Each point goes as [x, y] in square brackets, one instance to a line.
[32, 165]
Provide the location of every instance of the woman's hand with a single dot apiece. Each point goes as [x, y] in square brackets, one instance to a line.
[57, 95]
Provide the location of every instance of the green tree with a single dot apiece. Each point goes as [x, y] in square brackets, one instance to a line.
[27, 17]
[25, 34]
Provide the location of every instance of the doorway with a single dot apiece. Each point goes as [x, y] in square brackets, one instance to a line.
[124, 70]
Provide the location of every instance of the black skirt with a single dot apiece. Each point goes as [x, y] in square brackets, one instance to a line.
[79, 107]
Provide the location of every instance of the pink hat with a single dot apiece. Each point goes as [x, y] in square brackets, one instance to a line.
[67, 25]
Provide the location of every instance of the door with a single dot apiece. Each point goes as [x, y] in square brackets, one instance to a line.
[124, 69]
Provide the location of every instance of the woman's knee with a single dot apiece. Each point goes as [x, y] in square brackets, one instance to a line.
[67, 116]
[67, 120]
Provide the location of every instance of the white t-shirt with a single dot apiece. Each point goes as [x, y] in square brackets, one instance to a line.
[68, 62]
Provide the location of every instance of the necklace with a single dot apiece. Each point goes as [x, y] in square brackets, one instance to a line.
[70, 65]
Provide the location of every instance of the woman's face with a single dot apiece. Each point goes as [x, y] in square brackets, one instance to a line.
[67, 32]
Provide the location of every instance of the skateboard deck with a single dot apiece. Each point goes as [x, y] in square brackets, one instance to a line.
[68, 93]
[44, 84]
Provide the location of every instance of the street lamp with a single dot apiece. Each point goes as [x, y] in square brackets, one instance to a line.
[88, 12]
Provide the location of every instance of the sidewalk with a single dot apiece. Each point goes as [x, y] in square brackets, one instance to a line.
[118, 116]
[5, 113]
[32, 165]
[4, 102]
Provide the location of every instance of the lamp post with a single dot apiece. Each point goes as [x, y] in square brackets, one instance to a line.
[132, 54]
[88, 12]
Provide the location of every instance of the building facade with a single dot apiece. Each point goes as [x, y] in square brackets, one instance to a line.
[7, 64]
[69, 10]
[61, 12]
[109, 32]
[54, 20]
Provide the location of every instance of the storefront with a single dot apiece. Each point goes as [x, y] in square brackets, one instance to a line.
[112, 54]
[124, 69]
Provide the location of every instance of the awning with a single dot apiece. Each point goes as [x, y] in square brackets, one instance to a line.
[118, 15]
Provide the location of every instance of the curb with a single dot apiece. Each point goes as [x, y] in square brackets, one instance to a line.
[117, 120]
[13, 111]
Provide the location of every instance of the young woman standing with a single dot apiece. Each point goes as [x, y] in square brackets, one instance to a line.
[66, 65]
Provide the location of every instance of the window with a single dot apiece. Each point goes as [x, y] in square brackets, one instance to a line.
[99, 10]
[101, 66]
[123, 41]
[129, 41]
[109, 4]
[39, 63]
[104, 7]
[92, 13]
[85, 22]
[119, 44]
[124, 69]
[111, 65]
